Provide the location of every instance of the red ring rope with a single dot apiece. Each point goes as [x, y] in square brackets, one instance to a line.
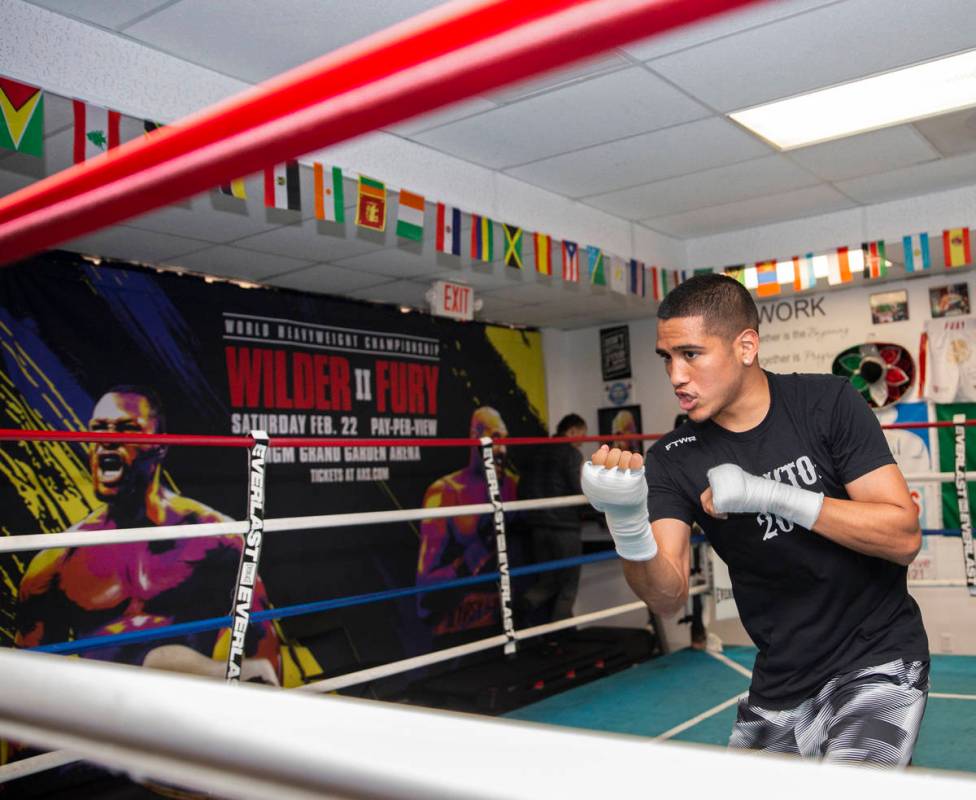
[17, 435]
[438, 58]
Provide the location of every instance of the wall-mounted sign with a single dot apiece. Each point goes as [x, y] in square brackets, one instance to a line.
[615, 352]
[453, 300]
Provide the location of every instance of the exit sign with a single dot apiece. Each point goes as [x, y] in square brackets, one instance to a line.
[454, 300]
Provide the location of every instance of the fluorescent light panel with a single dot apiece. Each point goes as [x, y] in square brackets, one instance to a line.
[924, 90]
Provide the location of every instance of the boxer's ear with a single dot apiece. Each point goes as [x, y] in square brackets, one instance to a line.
[747, 347]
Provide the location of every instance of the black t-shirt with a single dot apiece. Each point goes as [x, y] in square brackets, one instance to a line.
[814, 609]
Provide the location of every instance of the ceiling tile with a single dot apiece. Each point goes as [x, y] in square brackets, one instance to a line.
[406, 293]
[825, 46]
[325, 279]
[106, 13]
[951, 134]
[442, 116]
[133, 244]
[640, 159]
[720, 26]
[268, 38]
[217, 218]
[407, 261]
[710, 187]
[620, 104]
[749, 213]
[866, 154]
[935, 176]
[232, 262]
[560, 77]
[311, 240]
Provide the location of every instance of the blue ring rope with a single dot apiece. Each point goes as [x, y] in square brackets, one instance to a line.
[216, 623]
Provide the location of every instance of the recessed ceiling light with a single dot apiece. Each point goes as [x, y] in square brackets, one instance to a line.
[924, 90]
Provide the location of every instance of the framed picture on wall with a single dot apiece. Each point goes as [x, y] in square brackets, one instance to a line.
[617, 422]
[889, 306]
[949, 301]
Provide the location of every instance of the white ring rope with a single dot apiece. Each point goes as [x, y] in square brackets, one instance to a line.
[41, 541]
[252, 742]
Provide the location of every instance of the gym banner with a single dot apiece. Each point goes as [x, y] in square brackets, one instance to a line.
[97, 345]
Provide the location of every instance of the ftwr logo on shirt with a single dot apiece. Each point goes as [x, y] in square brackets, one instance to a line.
[802, 473]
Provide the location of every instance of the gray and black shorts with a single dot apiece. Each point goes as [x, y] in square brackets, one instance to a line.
[868, 716]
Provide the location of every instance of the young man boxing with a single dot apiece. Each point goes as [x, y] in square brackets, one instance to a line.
[792, 481]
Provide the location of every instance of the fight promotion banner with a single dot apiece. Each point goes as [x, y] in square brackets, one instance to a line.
[111, 347]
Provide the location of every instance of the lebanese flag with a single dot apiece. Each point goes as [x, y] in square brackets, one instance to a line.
[96, 130]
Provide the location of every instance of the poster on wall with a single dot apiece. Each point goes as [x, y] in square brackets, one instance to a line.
[111, 347]
[617, 423]
[615, 352]
[949, 301]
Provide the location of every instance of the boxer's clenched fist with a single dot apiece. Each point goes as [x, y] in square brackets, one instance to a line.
[732, 490]
[613, 482]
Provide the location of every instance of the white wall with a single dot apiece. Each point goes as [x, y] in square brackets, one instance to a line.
[790, 343]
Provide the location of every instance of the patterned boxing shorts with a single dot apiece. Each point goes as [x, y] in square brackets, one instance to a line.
[868, 716]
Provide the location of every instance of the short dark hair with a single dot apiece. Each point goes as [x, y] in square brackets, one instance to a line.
[143, 391]
[569, 421]
[725, 304]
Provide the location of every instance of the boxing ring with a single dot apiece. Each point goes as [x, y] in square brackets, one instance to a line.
[63, 721]
[256, 741]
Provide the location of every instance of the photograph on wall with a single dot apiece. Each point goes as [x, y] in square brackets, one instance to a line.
[889, 307]
[617, 423]
[949, 301]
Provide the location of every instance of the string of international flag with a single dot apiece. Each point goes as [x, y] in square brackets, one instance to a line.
[97, 130]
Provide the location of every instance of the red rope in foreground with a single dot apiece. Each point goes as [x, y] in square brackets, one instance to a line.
[16, 435]
[441, 57]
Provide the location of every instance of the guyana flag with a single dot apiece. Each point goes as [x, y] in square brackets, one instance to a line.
[21, 117]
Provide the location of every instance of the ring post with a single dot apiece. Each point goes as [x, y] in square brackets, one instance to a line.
[247, 572]
[962, 493]
[498, 517]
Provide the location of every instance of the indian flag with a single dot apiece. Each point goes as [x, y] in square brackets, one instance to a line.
[955, 246]
[330, 203]
[96, 130]
[410, 218]
[916, 251]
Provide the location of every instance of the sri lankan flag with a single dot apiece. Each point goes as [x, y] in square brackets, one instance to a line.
[21, 117]
[513, 246]
[482, 238]
[955, 247]
[371, 204]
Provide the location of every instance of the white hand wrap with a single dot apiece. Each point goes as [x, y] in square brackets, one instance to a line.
[622, 496]
[736, 491]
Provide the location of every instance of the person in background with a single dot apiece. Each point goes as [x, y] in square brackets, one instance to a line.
[555, 532]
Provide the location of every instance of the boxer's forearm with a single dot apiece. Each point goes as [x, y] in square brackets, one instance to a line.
[883, 530]
[659, 582]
